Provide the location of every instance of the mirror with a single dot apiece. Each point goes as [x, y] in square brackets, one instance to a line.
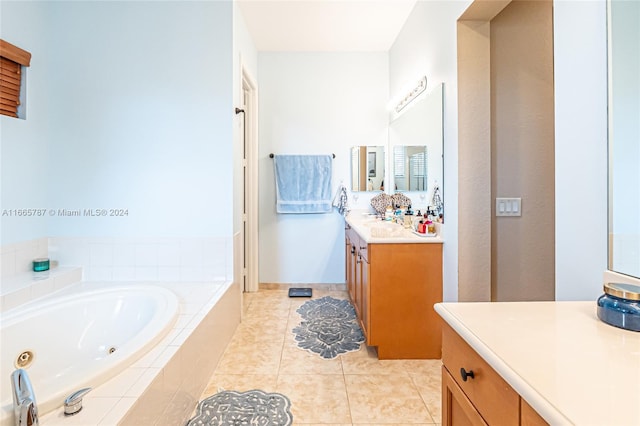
[367, 168]
[410, 168]
[416, 136]
[624, 137]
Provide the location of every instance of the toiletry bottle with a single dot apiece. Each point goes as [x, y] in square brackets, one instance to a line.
[408, 219]
[431, 227]
[388, 214]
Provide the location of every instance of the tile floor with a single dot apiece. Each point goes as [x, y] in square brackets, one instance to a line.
[354, 388]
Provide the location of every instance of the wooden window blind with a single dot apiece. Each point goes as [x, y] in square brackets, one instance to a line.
[12, 59]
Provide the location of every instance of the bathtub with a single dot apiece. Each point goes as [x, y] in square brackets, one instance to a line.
[80, 339]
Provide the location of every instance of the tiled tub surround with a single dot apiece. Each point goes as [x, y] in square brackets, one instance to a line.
[23, 287]
[190, 259]
[17, 258]
[164, 385]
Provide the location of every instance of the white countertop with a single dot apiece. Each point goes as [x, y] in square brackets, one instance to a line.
[568, 365]
[363, 222]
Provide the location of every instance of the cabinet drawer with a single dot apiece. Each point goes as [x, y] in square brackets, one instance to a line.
[494, 399]
[457, 410]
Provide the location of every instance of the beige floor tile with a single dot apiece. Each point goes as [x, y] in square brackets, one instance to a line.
[241, 357]
[385, 399]
[422, 367]
[267, 320]
[252, 329]
[365, 361]
[270, 307]
[300, 361]
[430, 388]
[317, 398]
[240, 383]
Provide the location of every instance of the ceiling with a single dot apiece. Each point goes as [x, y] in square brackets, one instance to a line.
[325, 25]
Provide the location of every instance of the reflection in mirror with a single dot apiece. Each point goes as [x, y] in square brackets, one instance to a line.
[624, 137]
[416, 136]
[410, 168]
[367, 168]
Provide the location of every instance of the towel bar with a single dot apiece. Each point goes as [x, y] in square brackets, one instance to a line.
[271, 155]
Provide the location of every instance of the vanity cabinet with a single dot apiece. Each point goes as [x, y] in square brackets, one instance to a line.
[393, 287]
[358, 277]
[473, 393]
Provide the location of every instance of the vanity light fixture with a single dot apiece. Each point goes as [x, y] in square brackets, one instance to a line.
[420, 87]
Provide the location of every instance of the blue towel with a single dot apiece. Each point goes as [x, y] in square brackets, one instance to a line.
[303, 183]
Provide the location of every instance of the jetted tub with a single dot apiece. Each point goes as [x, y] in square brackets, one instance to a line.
[80, 339]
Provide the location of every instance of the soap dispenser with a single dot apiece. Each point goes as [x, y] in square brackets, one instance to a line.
[408, 218]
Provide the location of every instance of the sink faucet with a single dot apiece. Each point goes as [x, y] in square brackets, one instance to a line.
[25, 409]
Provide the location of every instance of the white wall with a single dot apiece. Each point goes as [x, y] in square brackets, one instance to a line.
[134, 112]
[580, 73]
[427, 46]
[314, 103]
[24, 144]
[142, 120]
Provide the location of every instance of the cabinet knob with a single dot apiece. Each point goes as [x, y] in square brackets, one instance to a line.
[353, 250]
[466, 374]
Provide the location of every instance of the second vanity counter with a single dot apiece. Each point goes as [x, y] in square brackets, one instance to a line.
[558, 357]
[393, 282]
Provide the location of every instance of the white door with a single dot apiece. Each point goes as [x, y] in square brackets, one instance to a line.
[249, 238]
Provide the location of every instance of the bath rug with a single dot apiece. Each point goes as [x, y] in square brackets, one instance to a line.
[231, 408]
[329, 327]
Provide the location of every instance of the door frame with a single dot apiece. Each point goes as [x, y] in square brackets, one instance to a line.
[251, 270]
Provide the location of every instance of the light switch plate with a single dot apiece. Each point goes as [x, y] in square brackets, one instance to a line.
[508, 207]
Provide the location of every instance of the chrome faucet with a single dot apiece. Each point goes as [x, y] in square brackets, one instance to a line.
[73, 403]
[25, 409]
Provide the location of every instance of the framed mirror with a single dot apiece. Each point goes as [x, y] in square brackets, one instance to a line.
[624, 136]
[416, 140]
[367, 168]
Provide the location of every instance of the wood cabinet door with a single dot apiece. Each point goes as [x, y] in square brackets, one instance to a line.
[364, 301]
[358, 285]
[351, 269]
[457, 410]
[529, 416]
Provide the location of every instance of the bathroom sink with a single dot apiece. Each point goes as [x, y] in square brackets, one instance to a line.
[386, 230]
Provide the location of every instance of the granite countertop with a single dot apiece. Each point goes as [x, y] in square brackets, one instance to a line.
[363, 222]
[568, 365]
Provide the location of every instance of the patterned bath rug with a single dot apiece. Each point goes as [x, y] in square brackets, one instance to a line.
[231, 408]
[329, 327]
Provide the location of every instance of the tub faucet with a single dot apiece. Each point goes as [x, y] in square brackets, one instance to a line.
[73, 403]
[25, 409]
